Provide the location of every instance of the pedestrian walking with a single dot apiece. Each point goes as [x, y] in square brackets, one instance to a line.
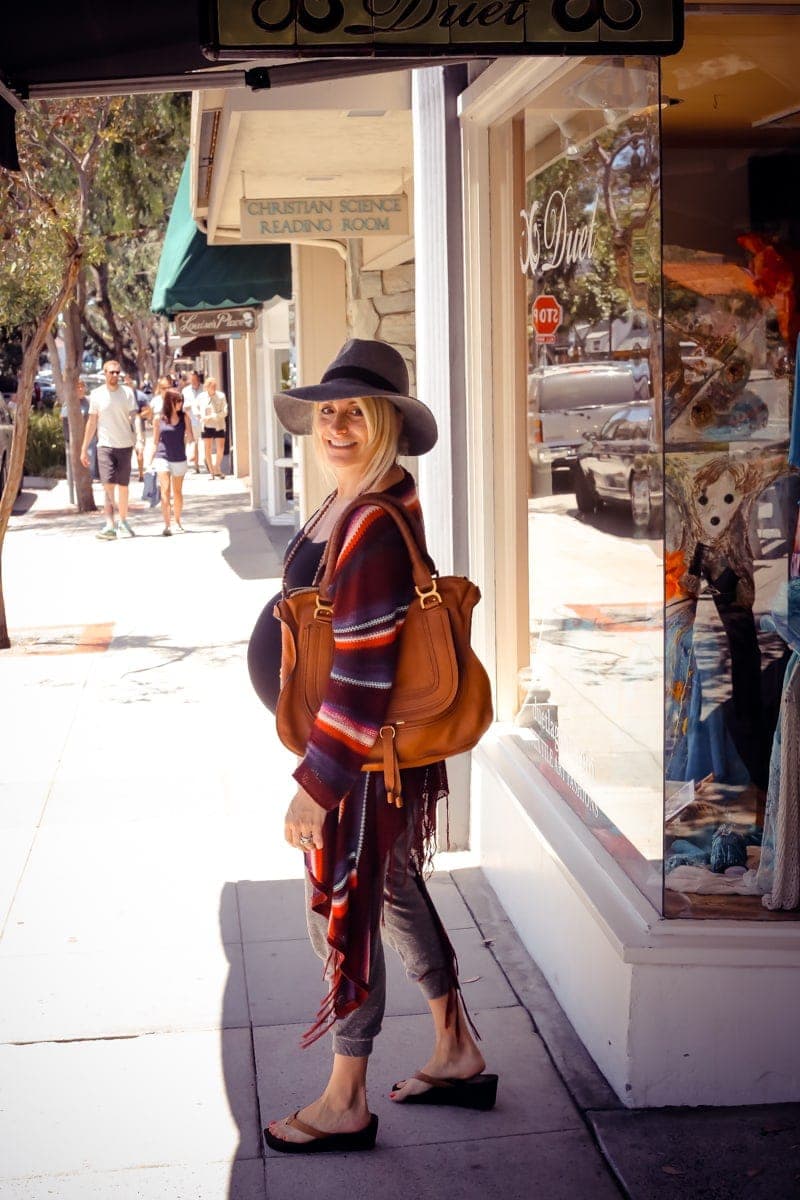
[80, 387]
[142, 415]
[172, 430]
[157, 398]
[213, 406]
[111, 411]
[193, 407]
[364, 856]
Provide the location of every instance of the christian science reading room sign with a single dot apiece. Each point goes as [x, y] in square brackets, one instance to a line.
[280, 218]
[431, 28]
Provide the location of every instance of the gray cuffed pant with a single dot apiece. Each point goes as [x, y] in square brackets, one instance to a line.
[410, 928]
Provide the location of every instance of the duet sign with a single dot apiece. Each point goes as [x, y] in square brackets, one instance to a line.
[280, 219]
[342, 28]
[555, 235]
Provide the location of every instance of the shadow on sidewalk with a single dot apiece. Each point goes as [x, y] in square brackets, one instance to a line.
[23, 503]
[261, 991]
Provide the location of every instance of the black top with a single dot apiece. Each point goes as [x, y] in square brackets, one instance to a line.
[264, 649]
[172, 440]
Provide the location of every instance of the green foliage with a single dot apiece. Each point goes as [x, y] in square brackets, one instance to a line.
[110, 168]
[141, 165]
[587, 293]
[43, 206]
[45, 453]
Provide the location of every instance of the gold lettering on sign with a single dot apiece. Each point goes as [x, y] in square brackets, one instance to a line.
[549, 240]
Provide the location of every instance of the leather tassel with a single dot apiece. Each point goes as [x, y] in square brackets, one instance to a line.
[391, 767]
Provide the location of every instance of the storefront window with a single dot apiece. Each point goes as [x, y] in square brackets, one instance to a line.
[731, 257]
[591, 714]
[660, 243]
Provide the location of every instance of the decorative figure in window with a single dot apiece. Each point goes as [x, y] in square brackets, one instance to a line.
[711, 506]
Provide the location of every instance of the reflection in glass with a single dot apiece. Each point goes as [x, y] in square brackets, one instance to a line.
[591, 711]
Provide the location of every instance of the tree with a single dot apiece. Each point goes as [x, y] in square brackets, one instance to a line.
[136, 187]
[43, 227]
[80, 227]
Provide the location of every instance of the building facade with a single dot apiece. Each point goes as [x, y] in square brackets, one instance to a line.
[597, 295]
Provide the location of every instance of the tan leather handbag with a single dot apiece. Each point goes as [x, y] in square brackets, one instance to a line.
[441, 701]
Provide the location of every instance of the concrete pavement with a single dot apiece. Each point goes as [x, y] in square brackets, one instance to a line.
[154, 970]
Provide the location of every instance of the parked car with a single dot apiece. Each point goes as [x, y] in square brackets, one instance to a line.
[6, 433]
[621, 464]
[568, 403]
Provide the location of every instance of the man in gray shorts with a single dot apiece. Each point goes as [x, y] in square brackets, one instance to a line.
[111, 408]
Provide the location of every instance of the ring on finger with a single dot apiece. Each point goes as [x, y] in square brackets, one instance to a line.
[306, 839]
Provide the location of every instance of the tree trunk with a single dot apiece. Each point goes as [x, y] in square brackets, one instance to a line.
[55, 363]
[100, 273]
[145, 339]
[73, 355]
[27, 376]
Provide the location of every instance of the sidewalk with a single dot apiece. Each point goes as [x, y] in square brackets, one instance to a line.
[154, 968]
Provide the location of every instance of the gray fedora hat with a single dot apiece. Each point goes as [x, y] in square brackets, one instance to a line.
[363, 368]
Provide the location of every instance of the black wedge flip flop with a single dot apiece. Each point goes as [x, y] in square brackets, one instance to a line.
[478, 1092]
[324, 1143]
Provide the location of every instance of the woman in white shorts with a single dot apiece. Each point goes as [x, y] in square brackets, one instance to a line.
[171, 431]
[214, 407]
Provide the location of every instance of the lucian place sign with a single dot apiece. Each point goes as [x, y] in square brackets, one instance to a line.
[215, 322]
[432, 28]
[282, 219]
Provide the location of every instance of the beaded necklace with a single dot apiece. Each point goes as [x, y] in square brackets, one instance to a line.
[304, 536]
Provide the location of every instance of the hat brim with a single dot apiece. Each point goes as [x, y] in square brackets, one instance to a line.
[294, 409]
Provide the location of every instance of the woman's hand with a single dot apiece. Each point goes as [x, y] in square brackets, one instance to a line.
[304, 819]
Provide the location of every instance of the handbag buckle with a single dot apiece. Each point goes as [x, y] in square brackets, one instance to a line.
[430, 598]
[323, 609]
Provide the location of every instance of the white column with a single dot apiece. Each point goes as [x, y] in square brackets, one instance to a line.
[318, 282]
[442, 474]
[439, 308]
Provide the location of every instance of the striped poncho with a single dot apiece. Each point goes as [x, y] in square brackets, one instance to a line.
[372, 589]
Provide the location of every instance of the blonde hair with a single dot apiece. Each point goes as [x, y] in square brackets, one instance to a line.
[384, 423]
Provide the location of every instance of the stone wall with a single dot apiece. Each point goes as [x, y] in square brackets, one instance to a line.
[380, 304]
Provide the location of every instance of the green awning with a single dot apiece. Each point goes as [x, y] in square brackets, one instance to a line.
[193, 275]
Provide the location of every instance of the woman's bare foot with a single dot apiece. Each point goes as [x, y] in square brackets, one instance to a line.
[468, 1061]
[455, 1054]
[342, 1107]
[324, 1116]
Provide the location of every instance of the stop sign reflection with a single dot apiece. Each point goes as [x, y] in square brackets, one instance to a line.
[547, 314]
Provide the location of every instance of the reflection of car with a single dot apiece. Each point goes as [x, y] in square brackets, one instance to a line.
[6, 432]
[568, 403]
[621, 463]
[46, 390]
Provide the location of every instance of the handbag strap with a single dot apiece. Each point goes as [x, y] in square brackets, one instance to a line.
[422, 567]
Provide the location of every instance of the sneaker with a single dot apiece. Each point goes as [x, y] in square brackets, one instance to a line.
[178, 528]
[124, 530]
[166, 532]
[109, 534]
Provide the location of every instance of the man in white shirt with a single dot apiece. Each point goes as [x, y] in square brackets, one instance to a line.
[111, 409]
[191, 394]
